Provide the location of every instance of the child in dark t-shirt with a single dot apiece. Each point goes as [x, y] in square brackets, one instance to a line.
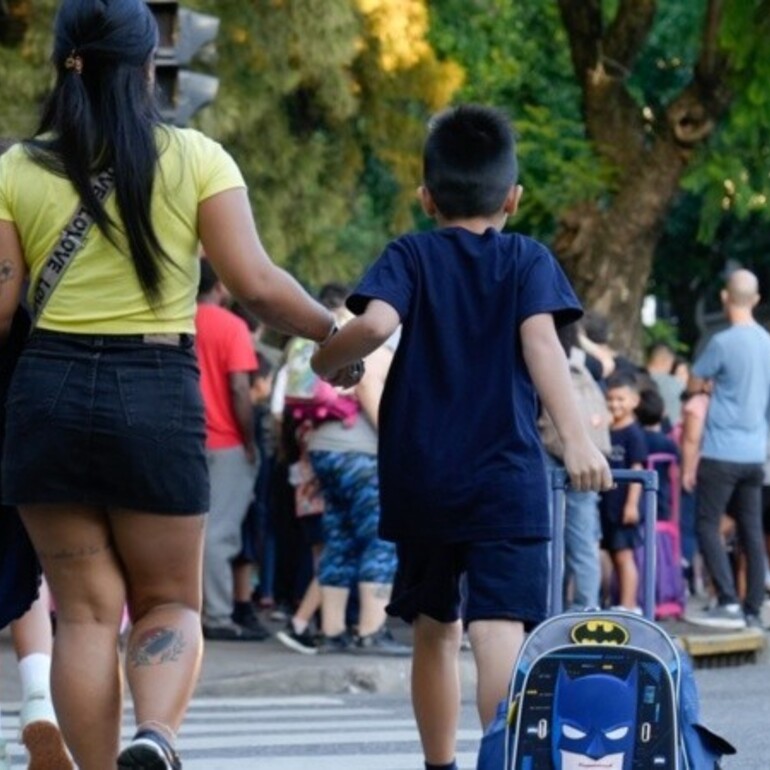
[619, 507]
[462, 478]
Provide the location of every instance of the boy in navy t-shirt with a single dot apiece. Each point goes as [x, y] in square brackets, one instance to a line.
[619, 507]
[462, 478]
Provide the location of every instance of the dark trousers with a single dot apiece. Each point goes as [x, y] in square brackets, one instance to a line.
[739, 484]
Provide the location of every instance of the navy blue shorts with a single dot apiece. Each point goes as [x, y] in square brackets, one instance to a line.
[504, 580]
[106, 420]
[620, 537]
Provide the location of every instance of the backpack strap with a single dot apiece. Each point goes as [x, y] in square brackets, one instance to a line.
[71, 240]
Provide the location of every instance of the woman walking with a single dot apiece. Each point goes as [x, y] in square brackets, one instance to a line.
[104, 209]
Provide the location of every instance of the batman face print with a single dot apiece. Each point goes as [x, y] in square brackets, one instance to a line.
[594, 721]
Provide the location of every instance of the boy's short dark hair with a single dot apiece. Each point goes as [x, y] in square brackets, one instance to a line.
[596, 327]
[469, 161]
[622, 379]
[651, 408]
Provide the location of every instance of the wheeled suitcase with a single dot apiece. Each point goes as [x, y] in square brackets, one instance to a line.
[600, 689]
[670, 588]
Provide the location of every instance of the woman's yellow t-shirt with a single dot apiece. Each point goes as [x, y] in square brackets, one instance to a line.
[100, 293]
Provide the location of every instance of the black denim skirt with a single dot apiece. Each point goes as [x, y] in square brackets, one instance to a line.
[107, 420]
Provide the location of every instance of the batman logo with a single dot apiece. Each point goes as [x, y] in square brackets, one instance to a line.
[599, 631]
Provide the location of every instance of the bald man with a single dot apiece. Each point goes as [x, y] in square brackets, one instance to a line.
[736, 363]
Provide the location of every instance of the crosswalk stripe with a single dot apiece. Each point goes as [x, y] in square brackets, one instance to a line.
[287, 733]
[316, 762]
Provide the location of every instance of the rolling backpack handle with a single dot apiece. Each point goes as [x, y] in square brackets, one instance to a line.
[559, 485]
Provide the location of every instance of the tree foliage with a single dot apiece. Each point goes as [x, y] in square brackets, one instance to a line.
[323, 103]
[661, 98]
[644, 125]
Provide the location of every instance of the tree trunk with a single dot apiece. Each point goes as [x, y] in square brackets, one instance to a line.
[608, 253]
[607, 248]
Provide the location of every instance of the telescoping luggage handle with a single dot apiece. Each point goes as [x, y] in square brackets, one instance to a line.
[649, 481]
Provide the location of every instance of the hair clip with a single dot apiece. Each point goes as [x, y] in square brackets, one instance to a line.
[74, 62]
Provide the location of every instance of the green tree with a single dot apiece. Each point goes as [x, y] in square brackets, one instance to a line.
[322, 103]
[25, 44]
[660, 97]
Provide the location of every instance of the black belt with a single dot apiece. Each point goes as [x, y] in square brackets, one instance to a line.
[171, 339]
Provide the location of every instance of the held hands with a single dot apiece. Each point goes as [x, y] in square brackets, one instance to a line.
[346, 377]
[587, 466]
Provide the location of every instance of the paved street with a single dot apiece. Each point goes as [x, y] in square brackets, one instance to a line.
[332, 733]
[342, 712]
[376, 732]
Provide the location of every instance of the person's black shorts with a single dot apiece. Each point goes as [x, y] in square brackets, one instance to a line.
[312, 528]
[766, 510]
[106, 420]
[619, 537]
[505, 580]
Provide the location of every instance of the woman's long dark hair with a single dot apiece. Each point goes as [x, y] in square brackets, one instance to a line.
[102, 114]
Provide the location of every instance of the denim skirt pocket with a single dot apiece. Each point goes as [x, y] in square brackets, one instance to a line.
[152, 399]
[36, 389]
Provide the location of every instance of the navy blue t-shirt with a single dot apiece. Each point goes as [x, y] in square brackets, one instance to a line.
[628, 447]
[460, 458]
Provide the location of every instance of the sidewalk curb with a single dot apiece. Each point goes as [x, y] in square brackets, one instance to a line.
[344, 676]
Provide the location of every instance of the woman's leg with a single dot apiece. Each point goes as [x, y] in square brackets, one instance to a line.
[162, 557]
[337, 564]
[83, 571]
[376, 558]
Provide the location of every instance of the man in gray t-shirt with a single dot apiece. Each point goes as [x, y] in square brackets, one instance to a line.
[737, 363]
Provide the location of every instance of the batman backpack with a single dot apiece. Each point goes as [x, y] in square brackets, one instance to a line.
[601, 689]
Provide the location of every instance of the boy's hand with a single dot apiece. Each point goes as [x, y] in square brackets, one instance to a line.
[348, 376]
[630, 515]
[587, 467]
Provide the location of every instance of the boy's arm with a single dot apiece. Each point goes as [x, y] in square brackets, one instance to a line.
[369, 390]
[633, 496]
[356, 339]
[549, 370]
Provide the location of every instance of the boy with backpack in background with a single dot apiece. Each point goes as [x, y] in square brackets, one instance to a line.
[462, 476]
[619, 507]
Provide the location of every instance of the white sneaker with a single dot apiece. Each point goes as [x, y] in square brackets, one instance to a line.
[633, 610]
[728, 616]
[40, 735]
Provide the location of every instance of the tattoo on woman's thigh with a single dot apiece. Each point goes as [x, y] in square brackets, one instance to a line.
[80, 552]
[157, 645]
